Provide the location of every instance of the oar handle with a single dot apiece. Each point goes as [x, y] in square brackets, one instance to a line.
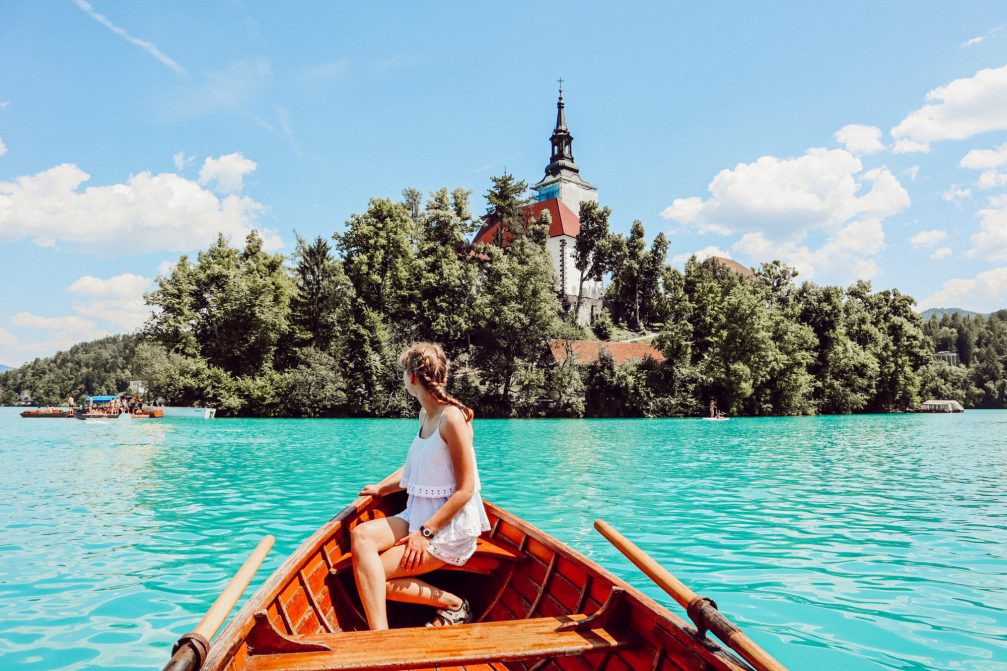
[702, 611]
[190, 651]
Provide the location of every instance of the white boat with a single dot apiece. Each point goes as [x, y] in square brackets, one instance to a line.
[189, 412]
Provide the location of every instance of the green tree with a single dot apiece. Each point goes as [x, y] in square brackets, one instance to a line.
[378, 258]
[322, 293]
[518, 313]
[591, 248]
[445, 283]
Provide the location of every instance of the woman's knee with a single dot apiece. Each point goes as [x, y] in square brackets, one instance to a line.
[362, 536]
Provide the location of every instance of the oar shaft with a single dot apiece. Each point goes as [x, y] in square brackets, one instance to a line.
[191, 649]
[660, 575]
[218, 612]
[710, 616]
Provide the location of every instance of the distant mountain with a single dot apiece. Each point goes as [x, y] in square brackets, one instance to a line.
[940, 312]
[3, 368]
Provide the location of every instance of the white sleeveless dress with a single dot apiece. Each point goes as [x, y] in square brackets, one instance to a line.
[429, 479]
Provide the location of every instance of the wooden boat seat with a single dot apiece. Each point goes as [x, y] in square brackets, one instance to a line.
[423, 647]
[489, 555]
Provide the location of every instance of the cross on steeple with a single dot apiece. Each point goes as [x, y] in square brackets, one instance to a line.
[560, 80]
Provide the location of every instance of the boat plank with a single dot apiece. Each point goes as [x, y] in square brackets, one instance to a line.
[462, 644]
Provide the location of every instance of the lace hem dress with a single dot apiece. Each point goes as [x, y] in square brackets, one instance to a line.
[429, 480]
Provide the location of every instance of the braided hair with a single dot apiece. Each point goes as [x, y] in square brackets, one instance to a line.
[428, 362]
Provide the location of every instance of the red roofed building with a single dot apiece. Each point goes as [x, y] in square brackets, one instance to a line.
[560, 193]
[586, 352]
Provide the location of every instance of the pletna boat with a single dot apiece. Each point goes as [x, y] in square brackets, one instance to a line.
[52, 413]
[538, 605]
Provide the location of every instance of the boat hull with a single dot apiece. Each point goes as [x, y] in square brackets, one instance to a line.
[54, 414]
[189, 412]
[312, 596]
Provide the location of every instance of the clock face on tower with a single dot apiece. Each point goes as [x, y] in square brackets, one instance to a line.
[547, 193]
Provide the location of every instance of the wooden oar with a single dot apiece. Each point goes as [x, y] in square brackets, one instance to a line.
[703, 611]
[191, 649]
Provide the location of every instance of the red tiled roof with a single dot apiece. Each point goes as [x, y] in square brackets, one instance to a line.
[564, 221]
[587, 351]
[733, 266]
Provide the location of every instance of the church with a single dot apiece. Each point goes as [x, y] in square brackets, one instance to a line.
[560, 192]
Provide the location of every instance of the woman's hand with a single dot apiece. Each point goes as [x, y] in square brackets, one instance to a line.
[416, 546]
[370, 490]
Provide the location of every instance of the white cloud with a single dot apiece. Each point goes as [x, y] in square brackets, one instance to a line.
[122, 286]
[146, 213]
[977, 159]
[956, 194]
[4, 105]
[227, 171]
[121, 32]
[846, 256]
[3, 147]
[979, 39]
[117, 300]
[67, 323]
[823, 189]
[941, 253]
[927, 238]
[182, 160]
[956, 111]
[912, 171]
[910, 147]
[991, 179]
[704, 253]
[7, 339]
[165, 267]
[860, 139]
[985, 292]
[990, 243]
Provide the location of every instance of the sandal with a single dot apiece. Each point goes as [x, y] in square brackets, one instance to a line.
[446, 617]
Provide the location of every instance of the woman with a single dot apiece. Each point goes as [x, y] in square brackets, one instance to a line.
[444, 513]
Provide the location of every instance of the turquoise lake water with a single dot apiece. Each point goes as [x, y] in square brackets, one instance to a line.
[861, 543]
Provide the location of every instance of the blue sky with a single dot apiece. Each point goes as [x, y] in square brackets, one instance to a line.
[852, 140]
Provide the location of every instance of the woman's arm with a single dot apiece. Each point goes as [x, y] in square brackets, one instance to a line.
[389, 485]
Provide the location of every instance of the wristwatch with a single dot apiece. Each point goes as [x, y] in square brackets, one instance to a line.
[426, 532]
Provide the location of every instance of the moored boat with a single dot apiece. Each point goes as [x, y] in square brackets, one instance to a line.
[51, 413]
[538, 605]
[190, 412]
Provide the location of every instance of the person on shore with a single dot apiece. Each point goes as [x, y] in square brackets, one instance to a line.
[444, 512]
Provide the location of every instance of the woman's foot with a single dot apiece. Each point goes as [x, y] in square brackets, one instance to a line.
[449, 616]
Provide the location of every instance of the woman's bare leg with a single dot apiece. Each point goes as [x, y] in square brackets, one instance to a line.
[367, 542]
[403, 585]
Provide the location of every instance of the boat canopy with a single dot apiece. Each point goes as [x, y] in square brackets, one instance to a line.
[101, 399]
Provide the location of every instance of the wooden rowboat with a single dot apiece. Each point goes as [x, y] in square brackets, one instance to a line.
[538, 604]
[49, 413]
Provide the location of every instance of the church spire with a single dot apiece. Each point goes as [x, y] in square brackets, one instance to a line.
[560, 114]
[562, 143]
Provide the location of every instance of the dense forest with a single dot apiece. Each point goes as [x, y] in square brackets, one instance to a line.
[319, 334]
[96, 367]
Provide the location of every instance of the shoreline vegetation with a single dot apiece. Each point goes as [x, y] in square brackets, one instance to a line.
[319, 334]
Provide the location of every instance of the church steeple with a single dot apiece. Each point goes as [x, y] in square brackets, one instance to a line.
[562, 143]
[562, 176]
